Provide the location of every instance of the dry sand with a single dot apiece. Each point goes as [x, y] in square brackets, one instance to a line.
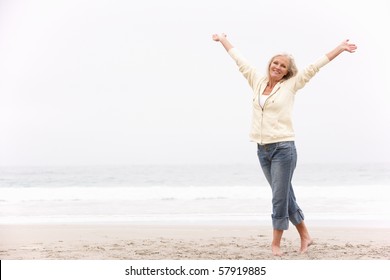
[179, 242]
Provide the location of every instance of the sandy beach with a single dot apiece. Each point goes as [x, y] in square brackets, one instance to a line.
[180, 242]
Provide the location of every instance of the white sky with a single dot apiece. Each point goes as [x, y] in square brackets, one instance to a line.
[127, 82]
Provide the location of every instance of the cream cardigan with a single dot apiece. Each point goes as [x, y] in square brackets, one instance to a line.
[273, 123]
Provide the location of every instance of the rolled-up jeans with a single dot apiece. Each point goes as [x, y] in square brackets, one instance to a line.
[278, 161]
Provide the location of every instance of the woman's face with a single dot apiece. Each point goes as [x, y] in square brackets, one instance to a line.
[279, 68]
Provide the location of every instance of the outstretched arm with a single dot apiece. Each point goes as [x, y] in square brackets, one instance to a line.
[344, 46]
[249, 72]
[224, 41]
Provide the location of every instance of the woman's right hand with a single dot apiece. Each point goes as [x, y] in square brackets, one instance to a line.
[224, 41]
[218, 37]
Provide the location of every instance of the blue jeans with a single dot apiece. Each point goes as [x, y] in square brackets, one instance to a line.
[278, 161]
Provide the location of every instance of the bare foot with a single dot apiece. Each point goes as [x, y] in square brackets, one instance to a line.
[276, 250]
[277, 237]
[305, 243]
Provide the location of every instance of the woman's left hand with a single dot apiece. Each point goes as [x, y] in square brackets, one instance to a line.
[346, 46]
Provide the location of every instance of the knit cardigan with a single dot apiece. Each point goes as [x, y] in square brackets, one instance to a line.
[273, 122]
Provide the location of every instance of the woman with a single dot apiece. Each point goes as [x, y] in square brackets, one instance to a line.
[273, 100]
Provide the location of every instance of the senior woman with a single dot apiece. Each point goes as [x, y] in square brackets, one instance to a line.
[272, 130]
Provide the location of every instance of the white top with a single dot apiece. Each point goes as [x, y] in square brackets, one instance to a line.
[274, 124]
[263, 98]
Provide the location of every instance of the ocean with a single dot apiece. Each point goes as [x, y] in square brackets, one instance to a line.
[339, 194]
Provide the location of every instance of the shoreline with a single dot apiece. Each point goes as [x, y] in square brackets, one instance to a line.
[192, 241]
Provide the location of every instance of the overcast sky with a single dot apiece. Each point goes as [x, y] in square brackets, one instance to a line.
[127, 82]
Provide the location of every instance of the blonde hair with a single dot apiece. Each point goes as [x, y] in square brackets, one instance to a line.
[292, 67]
